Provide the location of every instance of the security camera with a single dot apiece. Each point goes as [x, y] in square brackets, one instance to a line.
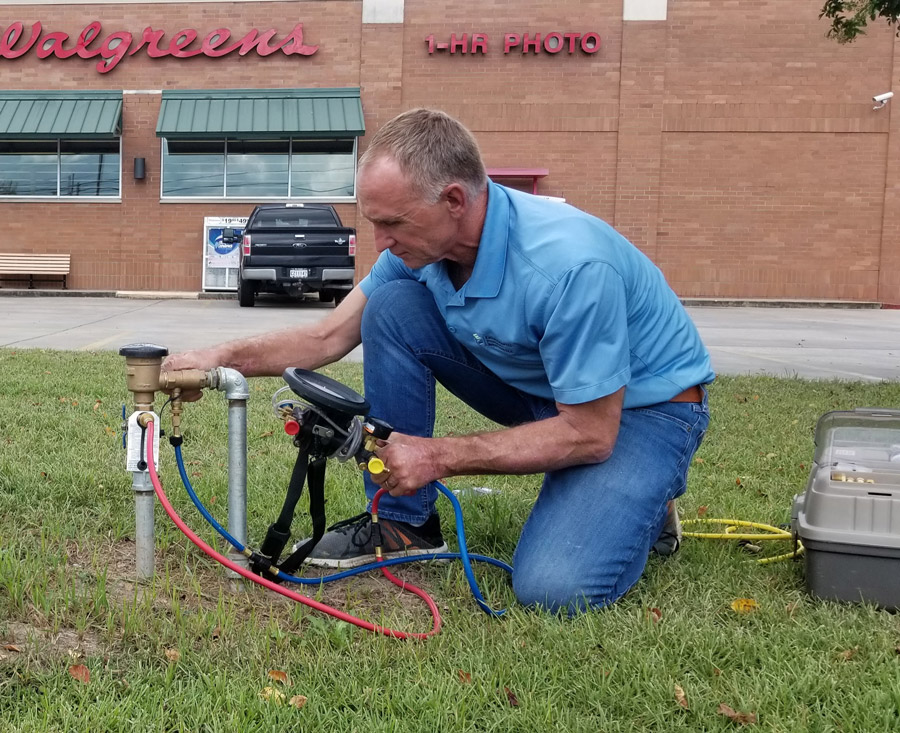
[882, 99]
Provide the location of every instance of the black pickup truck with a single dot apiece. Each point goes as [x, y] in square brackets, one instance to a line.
[296, 249]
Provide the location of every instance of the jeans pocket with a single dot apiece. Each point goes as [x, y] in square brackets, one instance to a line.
[680, 414]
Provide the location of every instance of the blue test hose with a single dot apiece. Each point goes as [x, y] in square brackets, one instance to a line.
[462, 555]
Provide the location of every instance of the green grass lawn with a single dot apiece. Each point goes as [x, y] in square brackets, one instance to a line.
[190, 652]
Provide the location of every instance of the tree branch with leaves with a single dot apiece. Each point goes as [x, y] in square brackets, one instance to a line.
[849, 18]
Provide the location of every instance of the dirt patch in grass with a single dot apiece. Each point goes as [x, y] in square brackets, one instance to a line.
[199, 583]
[22, 638]
[186, 578]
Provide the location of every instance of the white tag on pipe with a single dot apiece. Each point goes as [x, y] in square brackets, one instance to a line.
[134, 451]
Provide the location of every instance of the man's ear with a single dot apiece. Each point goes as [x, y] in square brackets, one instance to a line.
[457, 199]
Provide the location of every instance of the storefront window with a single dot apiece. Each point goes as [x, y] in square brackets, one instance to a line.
[59, 168]
[322, 168]
[259, 168]
[89, 168]
[193, 168]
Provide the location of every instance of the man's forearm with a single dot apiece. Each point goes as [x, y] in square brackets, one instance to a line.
[269, 355]
[546, 445]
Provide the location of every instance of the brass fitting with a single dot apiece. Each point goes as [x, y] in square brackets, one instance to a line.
[184, 379]
[370, 443]
[177, 406]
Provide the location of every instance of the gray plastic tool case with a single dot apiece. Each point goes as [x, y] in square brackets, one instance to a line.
[849, 518]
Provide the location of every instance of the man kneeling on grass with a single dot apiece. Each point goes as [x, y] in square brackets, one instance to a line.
[542, 318]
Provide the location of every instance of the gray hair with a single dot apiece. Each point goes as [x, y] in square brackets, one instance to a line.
[433, 150]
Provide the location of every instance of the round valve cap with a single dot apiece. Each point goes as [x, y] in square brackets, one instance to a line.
[375, 465]
[143, 351]
[291, 427]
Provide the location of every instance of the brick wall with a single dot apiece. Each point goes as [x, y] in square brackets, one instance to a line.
[732, 142]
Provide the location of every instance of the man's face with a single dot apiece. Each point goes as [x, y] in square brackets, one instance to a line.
[417, 232]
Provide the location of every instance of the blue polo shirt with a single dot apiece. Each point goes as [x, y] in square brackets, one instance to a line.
[562, 306]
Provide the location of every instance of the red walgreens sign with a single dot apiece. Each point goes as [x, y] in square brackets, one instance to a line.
[15, 42]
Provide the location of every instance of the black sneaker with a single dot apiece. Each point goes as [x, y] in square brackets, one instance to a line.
[669, 540]
[348, 544]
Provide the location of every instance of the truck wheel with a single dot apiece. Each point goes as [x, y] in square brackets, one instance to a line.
[246, 296]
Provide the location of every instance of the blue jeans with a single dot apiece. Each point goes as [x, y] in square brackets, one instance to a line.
[589, 534]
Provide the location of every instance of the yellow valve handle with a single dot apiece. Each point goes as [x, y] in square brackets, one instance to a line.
[375, 465]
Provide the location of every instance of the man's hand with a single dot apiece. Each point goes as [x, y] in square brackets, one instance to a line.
[203, 359]
[411, 463]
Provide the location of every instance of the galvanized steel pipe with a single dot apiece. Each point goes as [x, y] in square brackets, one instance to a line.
[237, 392]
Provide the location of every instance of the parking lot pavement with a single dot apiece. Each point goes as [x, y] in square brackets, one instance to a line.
[834, 343]
[852, 344]
[95, 324]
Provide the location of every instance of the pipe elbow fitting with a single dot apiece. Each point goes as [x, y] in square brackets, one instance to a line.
[232, 383]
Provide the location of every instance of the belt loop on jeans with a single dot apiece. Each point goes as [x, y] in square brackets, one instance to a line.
[691, 394]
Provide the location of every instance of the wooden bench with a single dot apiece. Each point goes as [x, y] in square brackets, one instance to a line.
[35, 266]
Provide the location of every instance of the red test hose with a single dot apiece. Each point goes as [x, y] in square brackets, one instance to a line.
[173, 515]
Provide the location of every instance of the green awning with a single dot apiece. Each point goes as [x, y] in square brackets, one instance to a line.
[52, 114]
[260, 113]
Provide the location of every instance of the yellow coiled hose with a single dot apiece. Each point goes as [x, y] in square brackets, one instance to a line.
[768, 532]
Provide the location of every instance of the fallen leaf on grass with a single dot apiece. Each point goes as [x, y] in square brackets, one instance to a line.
[464, 677]
[511, 697]
[680, 697]
[848, 654]
[80, 673]
[12, 648]
[701, 511]
[732, 714]
[97, 405]
[654, 614]
[298, 701]
[791, 608]
[737, 481]
[744, 605]
[276, 675]
[173, 655]
[270, 694]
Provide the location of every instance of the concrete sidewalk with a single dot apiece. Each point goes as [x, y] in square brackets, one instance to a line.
[852, 343]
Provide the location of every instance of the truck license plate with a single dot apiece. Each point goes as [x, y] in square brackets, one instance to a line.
[299, 272]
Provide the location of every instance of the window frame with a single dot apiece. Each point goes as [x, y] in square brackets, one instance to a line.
[59, 197]
[165, 199]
